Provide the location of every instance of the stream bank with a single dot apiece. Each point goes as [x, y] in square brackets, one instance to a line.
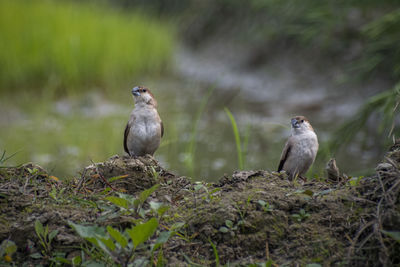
[247, 217]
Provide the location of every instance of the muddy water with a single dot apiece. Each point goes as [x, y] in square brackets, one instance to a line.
[202, 144]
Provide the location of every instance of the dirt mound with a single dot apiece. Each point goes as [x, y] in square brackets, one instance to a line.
[249, 217]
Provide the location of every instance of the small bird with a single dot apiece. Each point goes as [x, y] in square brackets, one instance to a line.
[332, 170]
[300, 149]
[144, 129]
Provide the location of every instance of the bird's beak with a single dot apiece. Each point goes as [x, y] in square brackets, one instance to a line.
[135, 91]
[295, 123]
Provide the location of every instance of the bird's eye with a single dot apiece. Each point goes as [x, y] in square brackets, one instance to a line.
[302, 120]
[144, 90]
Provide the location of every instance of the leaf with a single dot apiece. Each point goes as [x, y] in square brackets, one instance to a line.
[223, 229]
[140, 262]
[108, 242]
[155, 205]
[159, 207]
[131, 199]
[268, 263]
[36, 255]
[162, 210]
[117, 236]
[393, 234]
[146, 193]
[52, 235]
[112, 179]
[214, 247]
[88, 231]
[308, 192]
[163, 237]
[39, 228]
[120, 202]
[237, 138]
[142, 232]
[160, 258]
[229, 223]
[54, 178]
[262, 202]
[9, 247]
[76, 260]
[177, 225]
[61, 260]
[197, 187]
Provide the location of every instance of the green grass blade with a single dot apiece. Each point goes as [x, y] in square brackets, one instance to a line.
[237, 138]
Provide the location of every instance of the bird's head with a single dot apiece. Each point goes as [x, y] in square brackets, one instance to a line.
[300, 124]
[142, 95]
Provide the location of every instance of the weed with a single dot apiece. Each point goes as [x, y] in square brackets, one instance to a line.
[265, 206]
[45, 238]
[215, 252]
[7, 249]
[235, 129]
[123, 247]
[355, 181]
[301, 216]
[230, 227]
[4, 158]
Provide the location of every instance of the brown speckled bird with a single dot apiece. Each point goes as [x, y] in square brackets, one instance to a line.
[144, 129]
[300, 149]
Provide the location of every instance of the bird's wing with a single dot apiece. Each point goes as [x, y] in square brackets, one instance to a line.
[162, 129]
[127, 129]
[285, 154]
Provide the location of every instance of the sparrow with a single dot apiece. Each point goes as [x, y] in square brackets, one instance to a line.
[300, 149]
[144, 129]
[332, 170]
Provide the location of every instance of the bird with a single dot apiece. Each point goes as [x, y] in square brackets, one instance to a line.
[300, 150]
[332, 170]
[144, 130]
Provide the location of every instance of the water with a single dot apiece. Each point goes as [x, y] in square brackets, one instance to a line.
[262, 100]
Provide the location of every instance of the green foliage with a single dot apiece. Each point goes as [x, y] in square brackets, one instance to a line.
[230, 227]
[355, 181]
[301, 216]
[134, 206]
[68, 46]
[45, 238]
[4, 158]
[142, 232]
[382, 51]
[265, 206]
[7, 249]
[124, 247]
[216, 255]
[385, 105]
[240, 151]
[393, 234]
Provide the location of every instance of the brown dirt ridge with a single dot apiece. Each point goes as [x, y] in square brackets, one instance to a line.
[250, 217]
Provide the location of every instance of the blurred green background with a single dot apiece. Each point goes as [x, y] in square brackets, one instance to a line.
[67, 67]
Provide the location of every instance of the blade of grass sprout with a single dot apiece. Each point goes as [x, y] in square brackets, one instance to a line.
[215, 252]
[237, 138]
[246, 143]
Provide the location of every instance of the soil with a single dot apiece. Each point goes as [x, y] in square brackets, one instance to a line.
[248, 217]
